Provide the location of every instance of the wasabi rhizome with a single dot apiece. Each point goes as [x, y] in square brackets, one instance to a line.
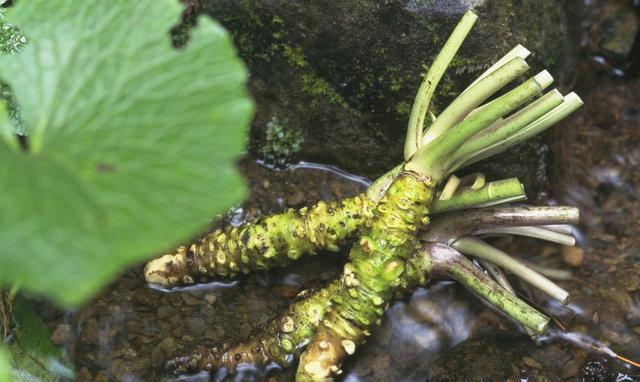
[395, 248]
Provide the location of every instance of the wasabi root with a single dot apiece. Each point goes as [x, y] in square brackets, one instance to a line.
[277, 240]
[273, 241]
[285, 337]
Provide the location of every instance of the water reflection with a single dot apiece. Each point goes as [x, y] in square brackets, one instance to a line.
[415, 332]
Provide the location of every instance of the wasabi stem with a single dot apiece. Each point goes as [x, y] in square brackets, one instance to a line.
[431, 80]
[381, 262]
[517, 51]
[435, 158]
[273, 241]
[477, 248]
[535, 232]
[474, 96]
[279, 342]
[454, 264]
[376, 265]
[571, 102]
[285, 336]
[507, 127]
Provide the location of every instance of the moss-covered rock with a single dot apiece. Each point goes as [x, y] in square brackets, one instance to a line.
[346, 71]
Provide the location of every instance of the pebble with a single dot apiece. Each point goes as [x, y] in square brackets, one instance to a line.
[531, 362]
[63, 334]
[211, 298]
[90, 332]
[84, 375]
[164, 311]
[571, 369]
[573, 256]
[196, 325]
[296, 199]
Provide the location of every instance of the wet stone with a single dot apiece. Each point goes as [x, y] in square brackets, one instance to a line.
[84, 375]
[531, 362]
[190, 299]
[165, 311]
[64, 334]
[195, 325]
[573, 256]
[90, 332]
[296, 199]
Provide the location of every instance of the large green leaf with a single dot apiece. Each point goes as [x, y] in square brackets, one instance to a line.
[5, 366]
[131, 143]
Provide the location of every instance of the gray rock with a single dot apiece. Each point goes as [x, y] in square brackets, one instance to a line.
[345, 72]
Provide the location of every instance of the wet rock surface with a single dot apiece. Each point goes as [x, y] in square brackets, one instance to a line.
[612, 37]
[346, 71]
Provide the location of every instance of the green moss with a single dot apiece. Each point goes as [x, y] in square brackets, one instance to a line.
[282, 141]
[294, 56]
[317, 87]
[403, 108]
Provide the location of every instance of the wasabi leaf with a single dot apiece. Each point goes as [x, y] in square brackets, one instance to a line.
[5, 365]
[131, 143]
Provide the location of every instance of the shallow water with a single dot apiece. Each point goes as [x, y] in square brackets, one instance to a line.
[440, 333]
